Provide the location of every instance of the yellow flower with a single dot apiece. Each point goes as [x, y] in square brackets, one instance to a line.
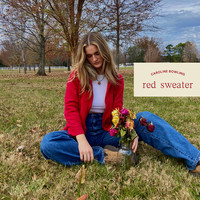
[115, 120]
[132, 114]
[131, 125]
[115, 112]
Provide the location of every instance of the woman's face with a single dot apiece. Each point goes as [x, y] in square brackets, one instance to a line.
[93, 56]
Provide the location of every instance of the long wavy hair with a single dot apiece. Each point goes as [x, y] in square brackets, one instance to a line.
[85, 71]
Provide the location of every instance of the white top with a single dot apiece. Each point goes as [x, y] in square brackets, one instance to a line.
[99, 93]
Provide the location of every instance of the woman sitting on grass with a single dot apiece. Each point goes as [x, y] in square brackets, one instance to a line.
[94, 90]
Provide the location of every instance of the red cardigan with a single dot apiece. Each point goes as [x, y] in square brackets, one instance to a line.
[77, 106]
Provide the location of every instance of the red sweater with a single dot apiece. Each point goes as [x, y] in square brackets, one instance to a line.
[77, 106]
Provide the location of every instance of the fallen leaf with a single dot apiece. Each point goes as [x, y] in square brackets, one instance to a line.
[128, 182]
[33, 130]
[18, 121]
[19, 125]
[80, 176]
[84, 197]
[34, 177]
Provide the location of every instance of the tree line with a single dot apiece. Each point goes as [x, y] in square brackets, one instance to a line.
[147, 49]
[42, 27]
[46, 32]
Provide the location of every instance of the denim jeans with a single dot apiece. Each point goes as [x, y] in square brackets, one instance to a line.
[166, 139]
[61, 147]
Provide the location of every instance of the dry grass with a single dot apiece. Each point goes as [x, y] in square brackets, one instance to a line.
[31, 106]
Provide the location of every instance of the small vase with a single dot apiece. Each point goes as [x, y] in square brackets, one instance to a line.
[125, 150]
[129, 158]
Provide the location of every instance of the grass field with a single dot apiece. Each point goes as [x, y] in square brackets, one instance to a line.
[31, 106]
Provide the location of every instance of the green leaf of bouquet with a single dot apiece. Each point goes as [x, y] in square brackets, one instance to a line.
[122, 132]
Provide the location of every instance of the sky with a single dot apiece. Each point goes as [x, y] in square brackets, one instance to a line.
[180, 22]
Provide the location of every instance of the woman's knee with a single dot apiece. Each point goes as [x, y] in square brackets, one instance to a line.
[44, 146]
[46, 143]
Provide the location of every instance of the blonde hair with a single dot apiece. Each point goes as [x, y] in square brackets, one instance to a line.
[85, 71]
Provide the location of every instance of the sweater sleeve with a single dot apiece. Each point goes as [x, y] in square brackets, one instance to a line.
[72, 112]
[118, 94]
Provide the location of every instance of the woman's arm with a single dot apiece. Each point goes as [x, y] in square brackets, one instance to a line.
[72, 115]
[71, 112]
[85, 150]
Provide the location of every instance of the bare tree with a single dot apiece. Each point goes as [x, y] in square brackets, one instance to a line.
[11, 53]
[190, 52]
[76, 17]
[152, 54]
[126, 18]
[68, 13]
[32, 14]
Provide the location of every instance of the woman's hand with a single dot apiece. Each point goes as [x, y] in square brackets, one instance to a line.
[85, 150]
[135, 144]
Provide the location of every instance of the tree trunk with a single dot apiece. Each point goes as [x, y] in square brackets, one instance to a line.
[49, 69]
[72, 57]
[25, 69]
[117, 44]
[68, 64]
[24, 61]
[19, 68]
[41, 26]
[41, 70]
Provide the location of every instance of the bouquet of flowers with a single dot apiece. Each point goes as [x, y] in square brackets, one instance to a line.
[123, 125]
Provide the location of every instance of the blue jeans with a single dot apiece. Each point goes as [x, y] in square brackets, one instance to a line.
[166, 139]
[61, 147]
